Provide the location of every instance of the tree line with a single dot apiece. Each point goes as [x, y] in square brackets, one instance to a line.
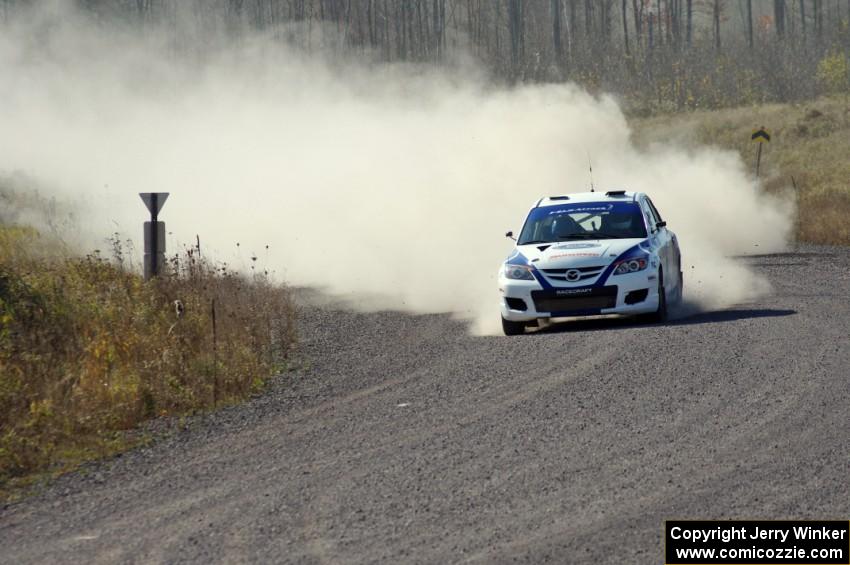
[657, 54]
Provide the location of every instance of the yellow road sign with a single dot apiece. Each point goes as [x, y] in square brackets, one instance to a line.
[761, 136]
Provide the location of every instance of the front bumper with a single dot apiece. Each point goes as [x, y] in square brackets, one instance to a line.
[626, 295]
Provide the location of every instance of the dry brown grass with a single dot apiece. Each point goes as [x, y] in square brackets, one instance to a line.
[810, 144]
[89, 350]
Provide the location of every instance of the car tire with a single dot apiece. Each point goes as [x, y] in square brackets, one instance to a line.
[513, 328]
[680, 292]
[660, 315]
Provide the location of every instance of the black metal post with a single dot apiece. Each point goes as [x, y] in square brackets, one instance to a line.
[154, 242]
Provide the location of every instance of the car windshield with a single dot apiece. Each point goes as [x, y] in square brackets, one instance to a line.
[588, 220]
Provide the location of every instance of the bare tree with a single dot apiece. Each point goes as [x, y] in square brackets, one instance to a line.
[717, 8]
[779, 17]
[516, 27]
[626, 28]
[557, 33]
[637, 15]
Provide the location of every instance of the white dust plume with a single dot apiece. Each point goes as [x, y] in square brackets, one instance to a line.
[393, 182]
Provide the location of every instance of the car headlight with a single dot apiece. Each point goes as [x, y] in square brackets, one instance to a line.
[518, 272]
[630, 266]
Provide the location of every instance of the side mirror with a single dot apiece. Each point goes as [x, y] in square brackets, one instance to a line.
[660, 225]
[510, 235]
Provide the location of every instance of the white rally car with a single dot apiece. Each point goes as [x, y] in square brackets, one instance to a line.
[590, 254]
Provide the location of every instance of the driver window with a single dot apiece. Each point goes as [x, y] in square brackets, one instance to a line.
[544, 228]
[654, 210]
[651, 217]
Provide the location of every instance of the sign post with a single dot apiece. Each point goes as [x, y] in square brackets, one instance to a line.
[154, 234]
[760, 136]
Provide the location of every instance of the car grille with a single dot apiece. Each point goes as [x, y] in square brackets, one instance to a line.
[561, 274]
[588, 299]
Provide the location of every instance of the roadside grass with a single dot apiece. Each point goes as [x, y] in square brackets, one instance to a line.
[88, 350]
[810, 143]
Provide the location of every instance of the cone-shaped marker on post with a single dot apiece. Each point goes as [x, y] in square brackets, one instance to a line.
[154, 234]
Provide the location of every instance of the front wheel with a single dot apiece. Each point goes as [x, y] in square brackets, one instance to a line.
[680, 292]
[513, 328]
[660, 315]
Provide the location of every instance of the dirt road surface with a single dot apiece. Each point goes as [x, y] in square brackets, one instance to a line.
[406, 440]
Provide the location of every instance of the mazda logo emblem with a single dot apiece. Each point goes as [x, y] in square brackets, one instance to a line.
[573, 275]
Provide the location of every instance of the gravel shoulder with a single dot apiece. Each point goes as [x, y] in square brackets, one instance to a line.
[404, 439]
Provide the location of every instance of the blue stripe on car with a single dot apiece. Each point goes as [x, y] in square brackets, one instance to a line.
[630, 253]
[541, 279]
[517, 258]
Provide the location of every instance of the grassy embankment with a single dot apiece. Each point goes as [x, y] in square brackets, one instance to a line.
[810, 143]
[88, 350]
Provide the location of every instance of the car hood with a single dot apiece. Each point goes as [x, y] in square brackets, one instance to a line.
[591, 253]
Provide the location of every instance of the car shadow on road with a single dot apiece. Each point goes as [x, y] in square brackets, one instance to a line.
[730, 315]
[779, 264]
[787, 255]
[715, 317]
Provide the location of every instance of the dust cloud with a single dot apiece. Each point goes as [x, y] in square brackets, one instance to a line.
[388, 185]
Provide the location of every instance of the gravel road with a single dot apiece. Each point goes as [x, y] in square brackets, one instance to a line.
[405, 440]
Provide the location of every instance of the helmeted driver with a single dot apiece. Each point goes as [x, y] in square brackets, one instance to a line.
[564, 226]
[618, 223]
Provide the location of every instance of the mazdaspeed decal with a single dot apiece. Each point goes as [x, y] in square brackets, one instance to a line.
[571, 209]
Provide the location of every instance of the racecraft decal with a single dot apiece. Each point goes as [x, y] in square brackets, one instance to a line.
[576, 246]
[560, 255]
[573, 291]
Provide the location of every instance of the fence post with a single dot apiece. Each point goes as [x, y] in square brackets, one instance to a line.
[215, 355]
